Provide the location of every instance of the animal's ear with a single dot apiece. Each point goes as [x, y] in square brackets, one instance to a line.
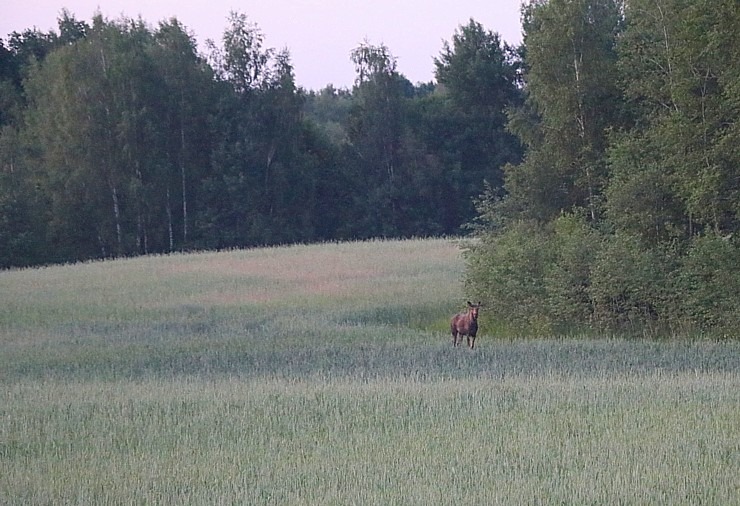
[469, 304]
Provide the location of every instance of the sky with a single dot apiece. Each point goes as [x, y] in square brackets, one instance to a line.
[320, 34]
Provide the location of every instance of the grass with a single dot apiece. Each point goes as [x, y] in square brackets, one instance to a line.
[324, 374]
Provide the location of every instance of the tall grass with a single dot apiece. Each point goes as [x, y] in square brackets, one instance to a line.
[651, 439]
[117, 319]
[325, 375]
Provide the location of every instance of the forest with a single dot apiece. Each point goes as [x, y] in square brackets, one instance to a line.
[596, 165]
[625, 210]
[120, 139]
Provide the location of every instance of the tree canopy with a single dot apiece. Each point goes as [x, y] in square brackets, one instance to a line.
[120, 139]
[624, 212]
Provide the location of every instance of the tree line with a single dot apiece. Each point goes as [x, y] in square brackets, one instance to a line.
[625, 210]
[120, 139]
[596, 165]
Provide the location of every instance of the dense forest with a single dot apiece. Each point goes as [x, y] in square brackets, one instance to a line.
[597, 165]
[120, 139]
[625, 210]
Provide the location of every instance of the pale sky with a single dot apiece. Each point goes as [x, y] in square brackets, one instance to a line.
[318, 33]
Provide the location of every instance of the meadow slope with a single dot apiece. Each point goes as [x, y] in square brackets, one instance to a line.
[324, 374]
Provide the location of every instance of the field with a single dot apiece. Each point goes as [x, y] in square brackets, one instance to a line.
[325, 374]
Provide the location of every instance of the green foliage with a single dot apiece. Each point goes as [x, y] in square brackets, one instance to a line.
[479, 71]
[707, 284]
[479, 81]
[507, 272]
[630, 173]
[112, 119]
[244, 62]
[628, 283]
[575, 247]
[640, 199]
[21, 223]
[137, 144]
[571, 84]
[678, 70]
[117, 139]
[376, 129]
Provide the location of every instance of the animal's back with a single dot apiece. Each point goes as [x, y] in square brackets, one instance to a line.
[464, 325]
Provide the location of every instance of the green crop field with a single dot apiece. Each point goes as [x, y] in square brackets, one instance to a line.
[325, 374]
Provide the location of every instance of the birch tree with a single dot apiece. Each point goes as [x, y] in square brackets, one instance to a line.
[572, 100]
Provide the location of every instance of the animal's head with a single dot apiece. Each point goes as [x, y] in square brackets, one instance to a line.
[473, 309]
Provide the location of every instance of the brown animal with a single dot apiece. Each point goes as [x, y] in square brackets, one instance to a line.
[465, 324]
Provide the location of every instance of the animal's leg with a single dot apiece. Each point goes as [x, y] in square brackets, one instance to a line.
[454, 338]
[472, 342]
[468, 339]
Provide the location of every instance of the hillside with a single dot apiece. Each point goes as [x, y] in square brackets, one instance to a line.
[324, 374]
[169, 313]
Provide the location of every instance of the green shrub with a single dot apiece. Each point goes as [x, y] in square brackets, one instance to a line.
[507, 271]
[628, 281]
[569, 276]
[707, 286]
[574, 246]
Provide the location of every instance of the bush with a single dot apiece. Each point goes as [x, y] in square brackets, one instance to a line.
[707, 286]
[507, 272]
[628, 283]
[568, 275]
[574, 246]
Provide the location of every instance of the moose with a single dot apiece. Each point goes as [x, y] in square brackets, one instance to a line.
[465, 324]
